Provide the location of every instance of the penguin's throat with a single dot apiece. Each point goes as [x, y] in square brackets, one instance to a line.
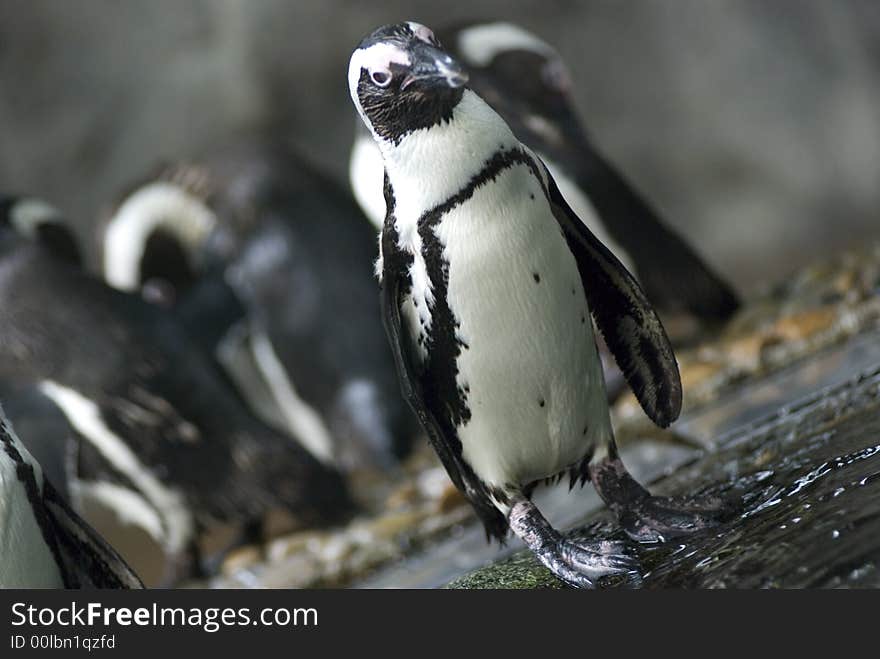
[428, 166]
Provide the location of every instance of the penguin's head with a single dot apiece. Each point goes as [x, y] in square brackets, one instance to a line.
[155, 235]
[401, 80]
[520, 75]
[38, 221]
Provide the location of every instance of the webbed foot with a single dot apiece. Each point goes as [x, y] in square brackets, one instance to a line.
[646, 518]
[658, 519]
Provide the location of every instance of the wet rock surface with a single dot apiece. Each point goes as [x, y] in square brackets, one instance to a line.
[782, 420]
[804, 485]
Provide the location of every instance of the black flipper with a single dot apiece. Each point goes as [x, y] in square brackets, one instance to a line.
[628, 323]
[675, 278]
[672, 274]
[394, 275]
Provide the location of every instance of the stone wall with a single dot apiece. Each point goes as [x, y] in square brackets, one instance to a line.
[753, 125]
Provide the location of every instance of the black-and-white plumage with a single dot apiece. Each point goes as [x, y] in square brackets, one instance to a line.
[305, 339]
[525, 80]
[161, 437]
[43, 543]
[50, 439]
[488, 280]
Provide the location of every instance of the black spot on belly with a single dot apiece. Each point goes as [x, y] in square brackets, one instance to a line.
[541, 402]
[583, 320]
[532, 195]
[537, 277]
[584, 433]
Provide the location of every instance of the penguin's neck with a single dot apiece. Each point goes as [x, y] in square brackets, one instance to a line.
[428, 166]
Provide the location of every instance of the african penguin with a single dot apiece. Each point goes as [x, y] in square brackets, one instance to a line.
[50, 438]
[43, 543]
[305, 340]
[161, 438]
[488, 280]
[525, 81]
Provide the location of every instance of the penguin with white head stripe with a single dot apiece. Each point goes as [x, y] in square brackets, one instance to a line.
[161, 438]
[488, 280]
[279, 290]
[43, 543]
[526, 81]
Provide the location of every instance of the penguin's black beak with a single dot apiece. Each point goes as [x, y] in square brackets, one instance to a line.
[431, 67]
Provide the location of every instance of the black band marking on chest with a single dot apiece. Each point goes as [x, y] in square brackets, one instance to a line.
[442, 343]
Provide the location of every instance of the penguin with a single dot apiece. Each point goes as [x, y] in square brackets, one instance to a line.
[526, 81]
[283, 271]
[45, 544]
[50, 439]
[161, 438]
[26, 407]
[488, 280]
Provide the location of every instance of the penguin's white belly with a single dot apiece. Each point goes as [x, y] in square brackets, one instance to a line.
[535, 387]
[27, 562]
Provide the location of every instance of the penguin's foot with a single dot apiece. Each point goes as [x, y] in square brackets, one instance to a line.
[646, 518]
[657, 519]
[578, 563]
[592, 564]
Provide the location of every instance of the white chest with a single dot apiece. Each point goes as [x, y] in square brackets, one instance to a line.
[528, 361]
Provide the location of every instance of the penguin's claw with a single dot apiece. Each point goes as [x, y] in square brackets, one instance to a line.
[592, 564]
[577, 562]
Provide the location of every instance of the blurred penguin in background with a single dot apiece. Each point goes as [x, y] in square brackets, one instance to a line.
[271, 263]
[161, 439]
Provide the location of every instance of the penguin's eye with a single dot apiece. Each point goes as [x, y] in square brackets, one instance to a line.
[381, 78]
